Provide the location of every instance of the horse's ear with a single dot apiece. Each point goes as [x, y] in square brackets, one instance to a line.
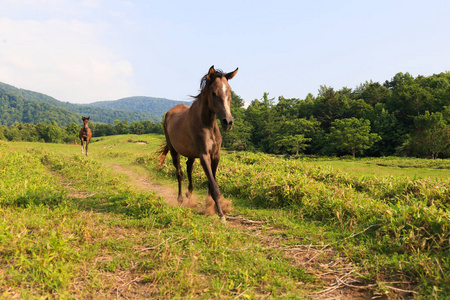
[231, 74]
[211, 72]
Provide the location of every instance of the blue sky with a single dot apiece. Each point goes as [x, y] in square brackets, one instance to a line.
[94, 50]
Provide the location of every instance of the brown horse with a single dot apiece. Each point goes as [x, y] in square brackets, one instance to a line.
[85, 134]
[193, 131]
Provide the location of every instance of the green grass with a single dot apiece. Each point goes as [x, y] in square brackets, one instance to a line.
[412, 168]
[71, 226]
[57, 244]
[403, 220]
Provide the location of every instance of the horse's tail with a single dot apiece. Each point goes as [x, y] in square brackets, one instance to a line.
[163, 150]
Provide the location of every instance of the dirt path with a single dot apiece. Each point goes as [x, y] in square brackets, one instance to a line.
[339, 277]
[142, 183]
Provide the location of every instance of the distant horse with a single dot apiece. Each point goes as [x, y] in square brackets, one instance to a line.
[85, 134]
[193, 131]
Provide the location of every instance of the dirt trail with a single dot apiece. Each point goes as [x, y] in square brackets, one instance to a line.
[337, 274]
[142, 183]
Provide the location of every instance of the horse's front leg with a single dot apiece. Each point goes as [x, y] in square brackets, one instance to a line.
[81, 146]
[189, 168]
[87, 143]
[210, 170]
[176, 163]
[214, 164]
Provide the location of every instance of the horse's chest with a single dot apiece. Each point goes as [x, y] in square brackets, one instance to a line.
[211, 143]
[212, 140]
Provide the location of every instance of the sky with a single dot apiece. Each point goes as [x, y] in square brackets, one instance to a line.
[95, 50]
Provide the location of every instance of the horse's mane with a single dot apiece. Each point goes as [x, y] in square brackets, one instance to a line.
[205, 82]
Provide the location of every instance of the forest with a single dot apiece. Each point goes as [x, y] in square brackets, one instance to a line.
[404, 116]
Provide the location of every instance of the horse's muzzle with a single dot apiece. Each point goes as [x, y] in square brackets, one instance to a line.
[227, 124]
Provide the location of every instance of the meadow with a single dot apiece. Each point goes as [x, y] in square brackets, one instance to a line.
[83, 227]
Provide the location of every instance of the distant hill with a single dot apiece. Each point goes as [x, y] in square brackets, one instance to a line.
[15, 108]
[100, 112]
[154, 106]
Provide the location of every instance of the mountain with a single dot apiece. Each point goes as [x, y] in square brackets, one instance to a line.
[151, 105]
[100, 112]
[15, 108]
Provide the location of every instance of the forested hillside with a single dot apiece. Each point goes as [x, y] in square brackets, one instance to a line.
[14, 108]
[154, 106]
[404, 116]
[98, 114]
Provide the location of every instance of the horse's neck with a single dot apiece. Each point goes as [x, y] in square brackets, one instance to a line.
[208, 117]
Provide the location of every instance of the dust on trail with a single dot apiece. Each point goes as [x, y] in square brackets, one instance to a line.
[337, 274]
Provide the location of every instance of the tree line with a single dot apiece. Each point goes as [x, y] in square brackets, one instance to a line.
[405, 116]
[53, 133]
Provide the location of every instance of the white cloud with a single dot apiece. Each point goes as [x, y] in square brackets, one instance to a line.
[64, 59]
[91, 3]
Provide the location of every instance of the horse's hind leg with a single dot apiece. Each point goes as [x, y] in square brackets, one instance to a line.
[189, 168]
[176, 163]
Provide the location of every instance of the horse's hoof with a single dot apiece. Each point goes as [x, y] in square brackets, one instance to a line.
[223, 220]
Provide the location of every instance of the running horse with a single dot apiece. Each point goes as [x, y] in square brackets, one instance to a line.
[85, 134]
[193, 131]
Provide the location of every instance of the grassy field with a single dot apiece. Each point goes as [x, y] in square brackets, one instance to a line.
[77, 227]
[394, 167]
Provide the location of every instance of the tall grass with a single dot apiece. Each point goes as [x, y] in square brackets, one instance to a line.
[406, 219]
[72, 228]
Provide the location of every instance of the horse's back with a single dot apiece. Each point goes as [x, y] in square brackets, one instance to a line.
[176, 110]
[178, 130]
[175, 116]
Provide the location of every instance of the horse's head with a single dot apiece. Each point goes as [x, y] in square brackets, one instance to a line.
[219, 96]
[85, 121]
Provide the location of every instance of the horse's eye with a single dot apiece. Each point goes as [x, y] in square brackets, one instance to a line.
[214, 94]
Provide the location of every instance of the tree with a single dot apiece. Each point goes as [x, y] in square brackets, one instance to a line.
[137, 128]
[121, 127]
[386, 125]
[409, 98]
[3, 129]
[294, 143]
[295, 134]
[352, 135]
[54, 133]
[72, 131]
[239, 137]
[432, 135]
[373, 93]
[265, 122]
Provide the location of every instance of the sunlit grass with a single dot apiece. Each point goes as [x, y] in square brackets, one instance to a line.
[71, 227]
[399, 167]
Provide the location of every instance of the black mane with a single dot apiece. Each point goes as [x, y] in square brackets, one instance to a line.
[205, 82]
